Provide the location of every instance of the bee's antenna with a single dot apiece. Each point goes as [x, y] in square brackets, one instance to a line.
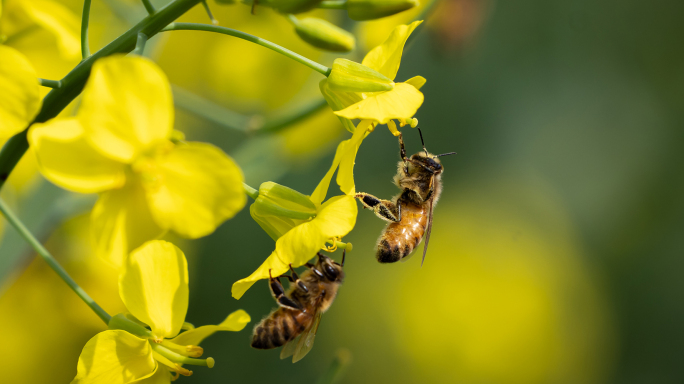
[344, 253]
[445, 154]
[422, 142]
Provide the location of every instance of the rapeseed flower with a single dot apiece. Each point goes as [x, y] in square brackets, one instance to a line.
[121, 144]
[368, 91]
[382, 101]
[301, 225]
[20, 97]
[154, 287]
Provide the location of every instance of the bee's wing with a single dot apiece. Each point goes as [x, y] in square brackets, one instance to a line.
[289, 348]
[428, 230]
[306, 341]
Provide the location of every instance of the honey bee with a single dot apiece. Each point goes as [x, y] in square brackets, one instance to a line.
[410, 213]
[295, 322]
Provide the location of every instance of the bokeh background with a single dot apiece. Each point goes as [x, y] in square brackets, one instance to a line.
[557, 252]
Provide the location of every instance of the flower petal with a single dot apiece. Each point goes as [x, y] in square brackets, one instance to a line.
[321, 190]
[154, 287]
[272, 263]
[120, 222]
[20, 97]
[300, 244]
[345, 176]
[68, 160]
[337, 216]
[235, 322]
[161, 376]
[196, 188]
[115, 356]
[126, 106]
[386, 57]
[59, 21]
[416, 81]
[400, 103]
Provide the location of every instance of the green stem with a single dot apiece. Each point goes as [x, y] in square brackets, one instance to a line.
[322, 69]
[50, 83]
[333, 4]
[85, 20]
[251, 192]
[140, 44]
[26, 234]
[74, 81]
[149, 7]
[211, 111]
[278, 123]
[208, 10]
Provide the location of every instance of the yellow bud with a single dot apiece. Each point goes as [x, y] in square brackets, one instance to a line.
[349, 76]
[293, 6]
[361, 10]
[324, 35]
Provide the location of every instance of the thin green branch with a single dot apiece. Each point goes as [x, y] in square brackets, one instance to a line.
[208, 10]
[251, 192]
[211, 111]
[322, 69]
[278, 123]
[50, 83]
[74, 81]
[85, 20]
[149, 7]
[140, 44]
[333, 4]
[26, 234]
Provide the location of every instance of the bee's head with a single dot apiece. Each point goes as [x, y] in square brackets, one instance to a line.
[331, 269]
[424, 161]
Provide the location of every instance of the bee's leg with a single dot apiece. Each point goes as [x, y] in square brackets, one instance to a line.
[383, 209]
[295, 279]
[430, 190]
[402, 153]
[279, 293]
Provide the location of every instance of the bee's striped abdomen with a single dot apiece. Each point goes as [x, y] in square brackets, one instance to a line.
[399, 239]
[278, 328]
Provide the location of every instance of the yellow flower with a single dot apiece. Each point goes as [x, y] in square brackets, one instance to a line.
[301, 226]
[120, 145]
[382, 100]
[344, 92]
[23, 17]
[20, 97]
[154, 287]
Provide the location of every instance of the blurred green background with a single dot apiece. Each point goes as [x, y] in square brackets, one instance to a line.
[557, 250]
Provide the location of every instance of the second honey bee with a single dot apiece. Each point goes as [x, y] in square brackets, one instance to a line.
[410, 213]
[295, 322]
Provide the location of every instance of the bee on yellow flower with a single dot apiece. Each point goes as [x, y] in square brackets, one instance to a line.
[300, 225]
[367, 91]
[121, 144]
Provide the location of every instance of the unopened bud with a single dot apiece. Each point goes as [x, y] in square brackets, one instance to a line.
[278, 209]
[293, 6]
[361, 10]
[324, 35]
[349, 76]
